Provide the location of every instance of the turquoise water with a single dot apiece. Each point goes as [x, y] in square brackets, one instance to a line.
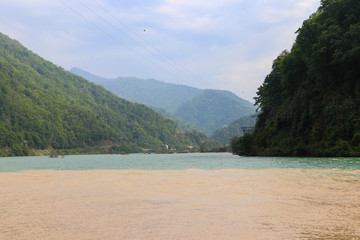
[205, 161]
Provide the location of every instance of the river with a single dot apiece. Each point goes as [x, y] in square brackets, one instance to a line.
[179, 196]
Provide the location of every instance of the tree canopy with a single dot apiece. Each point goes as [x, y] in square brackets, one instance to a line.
[310, 102]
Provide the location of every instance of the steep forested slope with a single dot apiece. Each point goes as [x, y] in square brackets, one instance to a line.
[213, 109]
[44, 106]
[310, 102]
[181, 123]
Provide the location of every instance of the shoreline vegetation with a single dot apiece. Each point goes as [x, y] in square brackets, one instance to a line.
[93, 150]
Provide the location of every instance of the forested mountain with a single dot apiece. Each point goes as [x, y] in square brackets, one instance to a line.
[213, 109]
[146, 91]
[43, 106]
[310, 101]
[181, 123]
[226, 133]
[207, 110]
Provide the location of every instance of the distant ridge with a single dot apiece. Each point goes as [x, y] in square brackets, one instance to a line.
[214, 109]
[207, 109]
[146, 91]
[226, 133]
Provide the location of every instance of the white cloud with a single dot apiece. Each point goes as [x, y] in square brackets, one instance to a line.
[244, 78]
[198, 4]
[230, 44]
[278, 11]
[307, 4]
[200, 15]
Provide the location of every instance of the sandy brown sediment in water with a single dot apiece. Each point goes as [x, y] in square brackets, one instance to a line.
[190, 204]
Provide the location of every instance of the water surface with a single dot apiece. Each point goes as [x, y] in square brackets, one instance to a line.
[205, 161]
[179, 196]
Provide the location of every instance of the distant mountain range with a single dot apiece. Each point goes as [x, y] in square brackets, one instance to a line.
[207, 110]
[146, 91]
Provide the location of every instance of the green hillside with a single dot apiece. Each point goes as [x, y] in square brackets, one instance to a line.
[207, 110]
[181, 123]
[43, 106]
[213, 109]
[226, 133]
[146, 91]
[310, 102]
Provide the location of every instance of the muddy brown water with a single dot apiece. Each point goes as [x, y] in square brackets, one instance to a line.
[180, 204]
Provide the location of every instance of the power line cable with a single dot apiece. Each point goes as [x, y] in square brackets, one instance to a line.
[116, 39]
[155, 50]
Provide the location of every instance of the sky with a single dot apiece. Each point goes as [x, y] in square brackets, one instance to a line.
[208, 44]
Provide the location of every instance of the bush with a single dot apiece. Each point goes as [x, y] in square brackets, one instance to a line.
[246, 145]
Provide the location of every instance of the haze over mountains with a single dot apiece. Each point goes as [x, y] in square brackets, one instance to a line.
[208, 110]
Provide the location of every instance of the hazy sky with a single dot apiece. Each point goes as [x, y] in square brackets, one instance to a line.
[220, 44]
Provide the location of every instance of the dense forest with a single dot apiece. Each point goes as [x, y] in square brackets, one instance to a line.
[181, 123]
[310, 102]
[42, 106]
